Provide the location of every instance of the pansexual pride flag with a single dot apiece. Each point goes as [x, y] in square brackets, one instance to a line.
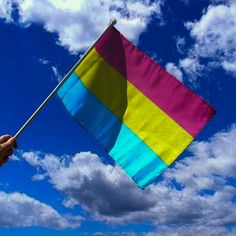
[137, 111]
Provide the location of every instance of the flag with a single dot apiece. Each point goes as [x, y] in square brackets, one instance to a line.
[142, 116]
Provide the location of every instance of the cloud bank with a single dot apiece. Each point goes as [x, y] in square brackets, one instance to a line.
[78, 23]
[214, 35]
[6, 10]
[20, 210]
[196, 194]
[214, 41]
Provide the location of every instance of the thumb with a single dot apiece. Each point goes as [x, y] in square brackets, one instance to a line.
[10, 143]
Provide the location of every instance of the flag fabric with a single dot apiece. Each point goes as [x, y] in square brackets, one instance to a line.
[140, 114]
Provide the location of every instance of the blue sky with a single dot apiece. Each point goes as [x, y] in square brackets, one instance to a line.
[60, 181]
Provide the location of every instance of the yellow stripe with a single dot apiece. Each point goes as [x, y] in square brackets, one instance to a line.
[162, 134]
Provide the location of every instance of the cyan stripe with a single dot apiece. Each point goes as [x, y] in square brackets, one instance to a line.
[138, 160]
[123, 145]
[149, 172]
[89, 112]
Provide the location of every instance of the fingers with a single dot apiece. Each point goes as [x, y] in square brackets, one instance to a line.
[9, 144]
[4, 138]
[14, 143]
[9, 152]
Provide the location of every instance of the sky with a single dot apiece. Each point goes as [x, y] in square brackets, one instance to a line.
[60, 181]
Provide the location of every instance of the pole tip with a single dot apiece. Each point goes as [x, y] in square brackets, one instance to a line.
[113, 21]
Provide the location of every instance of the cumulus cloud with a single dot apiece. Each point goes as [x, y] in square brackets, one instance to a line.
[221, 1]
[189, 197]
[214, 36]
[218, 157]
[79, 23]
[175, 71]
[6, 10]
[191, 231]
[192, 68]
[20, 210]
[103, 189]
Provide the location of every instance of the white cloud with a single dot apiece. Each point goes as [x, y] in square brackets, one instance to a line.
[191, 67]
[175, 71]
[20, 210]
[43, 61]
[189, 197]
[79, 23]
[56, 73]
[6, 9]
[222, 1]
[191, 231]
[229, 66]
[218, 157]
[86, 180]
[214, 36]
[14, 158]
[181, 44]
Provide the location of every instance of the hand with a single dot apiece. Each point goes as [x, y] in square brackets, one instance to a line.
[7, 143]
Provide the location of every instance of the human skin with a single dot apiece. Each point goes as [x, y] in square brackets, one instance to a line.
[7, 143]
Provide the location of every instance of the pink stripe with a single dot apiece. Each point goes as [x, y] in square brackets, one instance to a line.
[185, 107]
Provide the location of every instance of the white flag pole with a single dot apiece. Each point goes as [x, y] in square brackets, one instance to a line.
[112, 23]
